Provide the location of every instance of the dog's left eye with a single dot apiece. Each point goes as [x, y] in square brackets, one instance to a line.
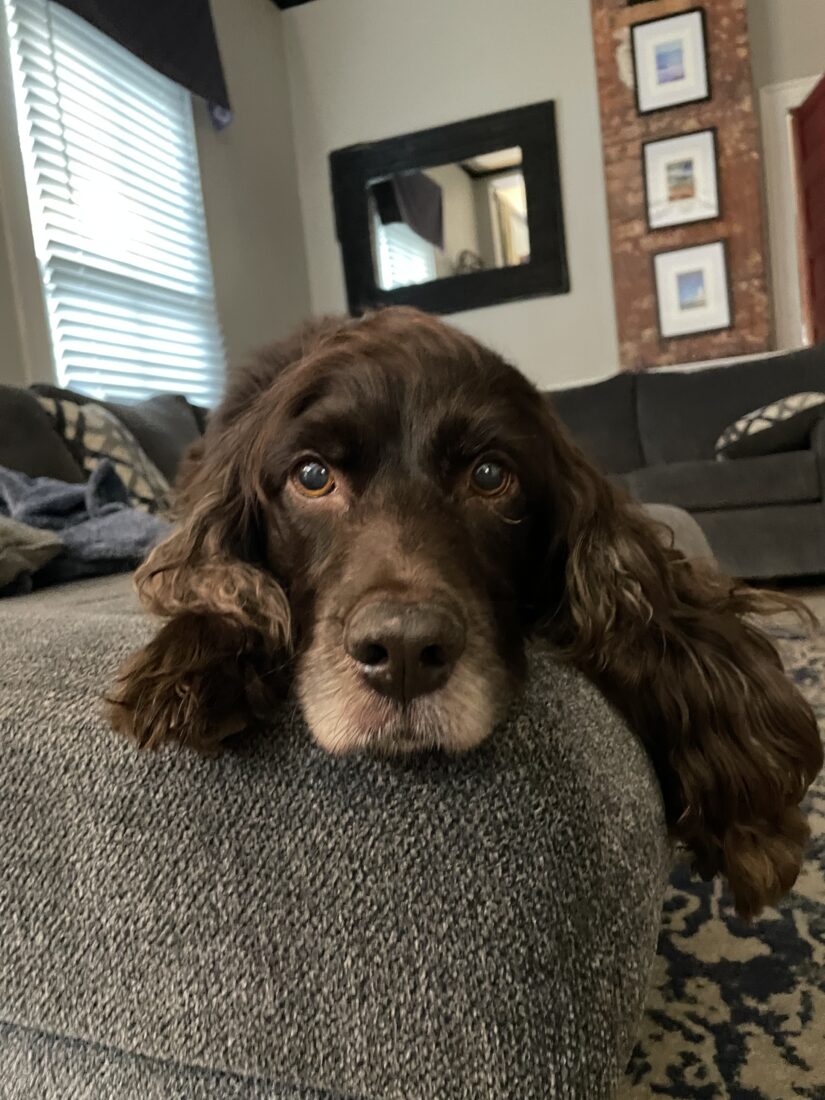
[313, 478]
[490, 477]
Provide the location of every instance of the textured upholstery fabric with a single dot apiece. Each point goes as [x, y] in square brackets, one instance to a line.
[164, 425]
[28, 441]
[275, 920]
[33, 1064]
[763, 521]
[739, 483]
[94, 434]
[23, 550]
[602, 418]
[683, 413]
[779, 541]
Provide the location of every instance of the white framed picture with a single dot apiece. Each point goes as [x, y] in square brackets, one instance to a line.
[670, 61]
[692, 290]
[681, 183]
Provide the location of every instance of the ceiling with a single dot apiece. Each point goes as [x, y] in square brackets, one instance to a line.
[488, 163]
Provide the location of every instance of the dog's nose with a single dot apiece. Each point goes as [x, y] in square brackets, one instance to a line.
[404, 650]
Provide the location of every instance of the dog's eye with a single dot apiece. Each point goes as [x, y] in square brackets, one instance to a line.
[490, 478]
[313, 478]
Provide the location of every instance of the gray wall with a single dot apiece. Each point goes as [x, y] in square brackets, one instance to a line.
[787, 39]
[12, 371]
[361, 70]
[250, 188]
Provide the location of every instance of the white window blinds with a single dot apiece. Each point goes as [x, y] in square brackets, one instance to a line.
[117, 212]
[404, 258]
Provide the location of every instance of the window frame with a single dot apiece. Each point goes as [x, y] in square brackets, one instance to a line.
[18, 247]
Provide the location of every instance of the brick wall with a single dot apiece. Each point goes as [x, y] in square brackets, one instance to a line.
[731, 110]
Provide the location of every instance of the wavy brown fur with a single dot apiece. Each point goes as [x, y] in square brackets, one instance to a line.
[672, 644]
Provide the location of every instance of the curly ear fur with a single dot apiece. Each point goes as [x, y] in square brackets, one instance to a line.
[216, 662]
[671, 644]
[196, 682]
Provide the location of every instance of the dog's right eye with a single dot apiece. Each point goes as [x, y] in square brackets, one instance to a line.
[313, 478]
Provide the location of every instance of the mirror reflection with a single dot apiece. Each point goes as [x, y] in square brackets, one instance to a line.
[453, 219]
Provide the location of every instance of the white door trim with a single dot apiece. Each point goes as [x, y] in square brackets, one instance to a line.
[776, 103]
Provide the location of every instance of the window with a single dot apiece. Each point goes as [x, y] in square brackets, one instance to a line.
[117, 213]
[404, 258]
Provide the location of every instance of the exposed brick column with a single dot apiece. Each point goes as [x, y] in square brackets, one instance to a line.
[731, 111]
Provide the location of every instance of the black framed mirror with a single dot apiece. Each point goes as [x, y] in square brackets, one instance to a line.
[454, 218]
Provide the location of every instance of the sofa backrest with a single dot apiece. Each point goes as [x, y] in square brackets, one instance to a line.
[681, 414]
[28, 442]
[164, 425]
[602, 420]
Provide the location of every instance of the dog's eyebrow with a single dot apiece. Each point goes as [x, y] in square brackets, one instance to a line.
[460, 436]
[341, 440]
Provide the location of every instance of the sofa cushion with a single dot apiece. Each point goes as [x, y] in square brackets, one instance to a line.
[164, 425]
[451, 927]
[765, 543]
[93, 433]
[23, 550]
[784, 425]
[683, 413]
[602, 419]
[28, 441]
[698, 486]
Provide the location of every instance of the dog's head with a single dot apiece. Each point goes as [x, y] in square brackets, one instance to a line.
[394, 480]
[386, 510]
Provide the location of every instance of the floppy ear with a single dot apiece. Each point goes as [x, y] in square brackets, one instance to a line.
[672, 644]
[216, 660]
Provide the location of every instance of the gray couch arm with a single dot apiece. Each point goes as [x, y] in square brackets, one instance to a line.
[688, 536]
[452, 928]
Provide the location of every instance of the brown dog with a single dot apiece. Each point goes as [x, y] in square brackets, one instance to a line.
[381, 513]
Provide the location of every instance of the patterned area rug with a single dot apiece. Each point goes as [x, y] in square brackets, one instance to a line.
[737, 1012]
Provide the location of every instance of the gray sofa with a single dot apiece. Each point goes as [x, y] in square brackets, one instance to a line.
[655, 432]
[276, 924]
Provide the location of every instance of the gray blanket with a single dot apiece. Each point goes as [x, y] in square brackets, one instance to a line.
[99, 531]
[276, 924]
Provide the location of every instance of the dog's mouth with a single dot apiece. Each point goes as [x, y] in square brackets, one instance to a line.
[388, 727]
[345, 714]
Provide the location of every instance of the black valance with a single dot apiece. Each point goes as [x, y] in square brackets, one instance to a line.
[416, 200]
[175, 37]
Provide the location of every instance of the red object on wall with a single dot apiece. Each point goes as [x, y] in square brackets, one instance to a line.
[809, 134]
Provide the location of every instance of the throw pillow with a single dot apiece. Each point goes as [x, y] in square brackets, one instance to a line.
[23, 550]
[93, 433]
[784, 425]
[165, 425]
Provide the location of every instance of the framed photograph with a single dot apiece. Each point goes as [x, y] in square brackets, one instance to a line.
[681, 183]
[692, 290]
[670, 61]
